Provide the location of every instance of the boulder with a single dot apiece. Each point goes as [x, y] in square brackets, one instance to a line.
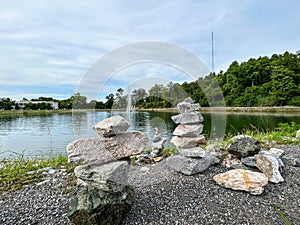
[188, 118]
[99, 150]
[98, 207]
[111, 126]
[110, 176]
[244, 180]
[188, 142]
[192, 152]
[270, 165]
[188, 130]
[243, 145]
[190, 166]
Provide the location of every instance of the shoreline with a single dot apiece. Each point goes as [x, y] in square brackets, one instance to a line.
[275, 109]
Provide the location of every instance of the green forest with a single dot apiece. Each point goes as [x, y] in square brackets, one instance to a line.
[265, 81]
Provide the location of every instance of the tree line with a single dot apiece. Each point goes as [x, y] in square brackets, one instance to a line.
[265, 81]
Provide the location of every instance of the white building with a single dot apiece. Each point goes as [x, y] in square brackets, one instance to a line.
[23, 103]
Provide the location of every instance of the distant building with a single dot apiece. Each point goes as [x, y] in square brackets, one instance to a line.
[23, 103]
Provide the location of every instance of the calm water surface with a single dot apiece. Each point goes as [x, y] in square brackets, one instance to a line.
[40, 135]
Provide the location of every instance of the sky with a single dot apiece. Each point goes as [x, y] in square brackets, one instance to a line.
[48, 46]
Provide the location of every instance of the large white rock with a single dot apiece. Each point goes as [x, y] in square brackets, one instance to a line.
[93, 150]
[111, 126]
[270, 165]
[188, 130]
[244, 180]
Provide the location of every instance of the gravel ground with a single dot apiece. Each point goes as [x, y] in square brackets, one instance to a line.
[166, 197]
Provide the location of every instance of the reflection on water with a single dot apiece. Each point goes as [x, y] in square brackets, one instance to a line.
[41, 134]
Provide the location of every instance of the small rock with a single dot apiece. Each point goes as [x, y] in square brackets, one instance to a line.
[158, 159]
[230, 160]
[244, 180]
[190, 166]
[144, 169]
[249, 161]
[243, 145]
[270, 166]
[111, 126]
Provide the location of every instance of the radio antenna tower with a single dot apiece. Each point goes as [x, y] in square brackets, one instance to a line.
[212, 52]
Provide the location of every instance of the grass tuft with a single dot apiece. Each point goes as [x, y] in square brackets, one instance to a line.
[14, 173]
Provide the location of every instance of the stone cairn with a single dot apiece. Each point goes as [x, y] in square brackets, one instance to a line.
[187, 137]
[157, 147]
[107, 197]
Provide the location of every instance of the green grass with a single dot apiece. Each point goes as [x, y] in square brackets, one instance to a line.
[284, 133]
[14, 172]
[283, 217]
[18, 113]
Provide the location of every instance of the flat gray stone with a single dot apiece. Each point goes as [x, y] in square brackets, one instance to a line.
[188, 118]
[110, 176]
[99, 150]
[188, 142]
[190, 166]
[111, 126]
[184, 107]
[188, 130]
[192, 152]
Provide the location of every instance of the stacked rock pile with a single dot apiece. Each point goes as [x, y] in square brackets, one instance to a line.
[187, 137]
[107, 197]
[157, 147]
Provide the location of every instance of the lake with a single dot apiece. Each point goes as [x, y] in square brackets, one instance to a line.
[41, 135]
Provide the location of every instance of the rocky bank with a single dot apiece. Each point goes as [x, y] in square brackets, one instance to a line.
[163, 196]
